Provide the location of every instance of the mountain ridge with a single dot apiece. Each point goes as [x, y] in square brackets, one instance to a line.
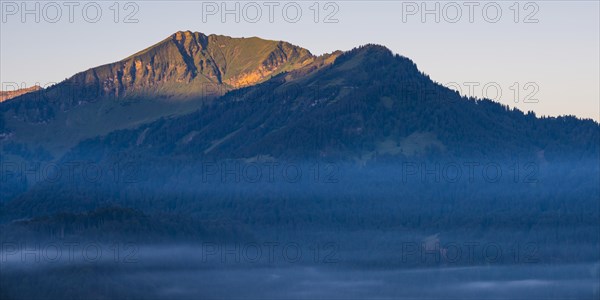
[368, 103]
[375, 90]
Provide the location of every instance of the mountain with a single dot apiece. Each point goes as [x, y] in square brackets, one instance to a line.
[7, 95]
[357, 147]
[365, 106]
[191, 63]
[368, 104]
[357, 160]
[175, 76]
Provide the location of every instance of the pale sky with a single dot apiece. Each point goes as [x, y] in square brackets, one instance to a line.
[550, 55]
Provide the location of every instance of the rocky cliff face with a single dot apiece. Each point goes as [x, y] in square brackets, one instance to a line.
[192, 64]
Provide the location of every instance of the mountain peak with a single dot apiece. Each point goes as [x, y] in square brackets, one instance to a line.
[374, 50]
[185, 33]
[181, 36]
[183, 64]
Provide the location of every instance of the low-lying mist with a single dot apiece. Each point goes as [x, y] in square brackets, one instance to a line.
[281, 230]
[189, 272]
